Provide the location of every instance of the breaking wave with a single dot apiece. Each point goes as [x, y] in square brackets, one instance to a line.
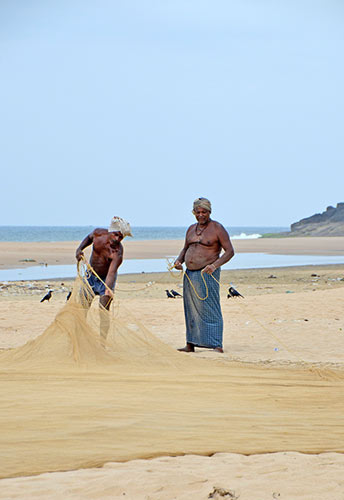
[244, 236]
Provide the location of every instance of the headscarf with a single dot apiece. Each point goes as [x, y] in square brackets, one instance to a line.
[119, 224]
[201, 203]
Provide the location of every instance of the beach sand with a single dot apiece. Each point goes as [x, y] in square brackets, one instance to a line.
[288, 315]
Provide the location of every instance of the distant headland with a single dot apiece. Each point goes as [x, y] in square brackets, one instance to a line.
[328, 223]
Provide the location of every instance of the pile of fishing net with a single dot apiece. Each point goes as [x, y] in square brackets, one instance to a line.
[97, 386]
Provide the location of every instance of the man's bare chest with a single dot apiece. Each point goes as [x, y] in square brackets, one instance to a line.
[203, 238]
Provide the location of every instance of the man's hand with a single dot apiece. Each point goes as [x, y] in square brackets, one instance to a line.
[108, 293]
[79, 255]
[209, 269]
[178, 265]
[106, 300]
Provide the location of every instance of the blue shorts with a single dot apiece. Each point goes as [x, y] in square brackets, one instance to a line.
[97, 285]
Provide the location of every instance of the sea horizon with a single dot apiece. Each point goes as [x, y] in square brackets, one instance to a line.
[77, 233]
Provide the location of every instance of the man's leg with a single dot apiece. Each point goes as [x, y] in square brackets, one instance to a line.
[105, 302]
[86, 300]
[87, 293]
[188, 348]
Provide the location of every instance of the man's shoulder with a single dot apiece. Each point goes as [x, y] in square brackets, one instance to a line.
[216, 223]
[218, 226]
[100, 231]
[190, 229]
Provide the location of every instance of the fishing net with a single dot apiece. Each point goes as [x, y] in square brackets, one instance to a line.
[97, 386]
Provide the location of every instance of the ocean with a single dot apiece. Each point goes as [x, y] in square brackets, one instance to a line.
[77, 233]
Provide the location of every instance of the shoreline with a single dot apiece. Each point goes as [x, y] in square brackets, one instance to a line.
[165, 277]
[254, 274]
[27, 254]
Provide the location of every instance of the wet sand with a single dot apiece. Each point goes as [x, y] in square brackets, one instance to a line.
[24, 254]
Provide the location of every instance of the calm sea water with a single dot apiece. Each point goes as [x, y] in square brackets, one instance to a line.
[240, 261]
[77, 233]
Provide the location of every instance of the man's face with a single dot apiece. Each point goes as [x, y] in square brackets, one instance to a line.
[202, 215]
[116, 236]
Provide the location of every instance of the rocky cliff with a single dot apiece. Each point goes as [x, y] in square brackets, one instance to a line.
[328, 223]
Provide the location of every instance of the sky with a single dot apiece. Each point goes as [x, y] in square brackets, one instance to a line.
[137, 107]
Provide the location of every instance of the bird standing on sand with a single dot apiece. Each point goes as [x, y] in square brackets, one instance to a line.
[169, 295]
[232, 292]
[176, 294]
[47, 296]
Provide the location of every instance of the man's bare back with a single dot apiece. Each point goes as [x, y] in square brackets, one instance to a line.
[107, 254]
[106, 249]
[106, 257]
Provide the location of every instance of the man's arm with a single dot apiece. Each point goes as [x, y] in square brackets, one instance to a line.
[86, 242]
[226, 244]
[181, 257]
[112, 272]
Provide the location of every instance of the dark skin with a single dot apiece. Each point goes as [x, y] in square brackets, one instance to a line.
[204, 242]
[106, 257]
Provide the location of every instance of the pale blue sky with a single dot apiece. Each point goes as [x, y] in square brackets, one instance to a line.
[135, 108]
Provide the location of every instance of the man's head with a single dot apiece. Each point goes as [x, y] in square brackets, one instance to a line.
[201, 203]
[120, 225]
[202, 210]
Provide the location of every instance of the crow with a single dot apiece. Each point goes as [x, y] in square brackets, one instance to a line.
[68, 296]
[176, 294]
[232, 292]
[169, 295]
[47, 296]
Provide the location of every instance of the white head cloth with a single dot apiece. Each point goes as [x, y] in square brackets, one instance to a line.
[119, 224]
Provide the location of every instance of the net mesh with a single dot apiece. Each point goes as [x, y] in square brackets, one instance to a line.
[97, 386]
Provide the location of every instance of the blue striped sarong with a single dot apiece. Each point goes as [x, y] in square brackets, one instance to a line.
[203, 318]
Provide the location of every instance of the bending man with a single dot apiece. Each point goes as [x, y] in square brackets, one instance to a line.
[204, 242]
[106, 257]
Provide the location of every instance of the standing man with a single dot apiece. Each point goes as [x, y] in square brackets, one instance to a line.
[106, 257]
[201, 254]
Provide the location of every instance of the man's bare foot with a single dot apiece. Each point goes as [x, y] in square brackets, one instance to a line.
[188, 348]
[218, 349]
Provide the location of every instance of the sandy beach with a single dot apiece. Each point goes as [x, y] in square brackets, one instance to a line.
[288, 316]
